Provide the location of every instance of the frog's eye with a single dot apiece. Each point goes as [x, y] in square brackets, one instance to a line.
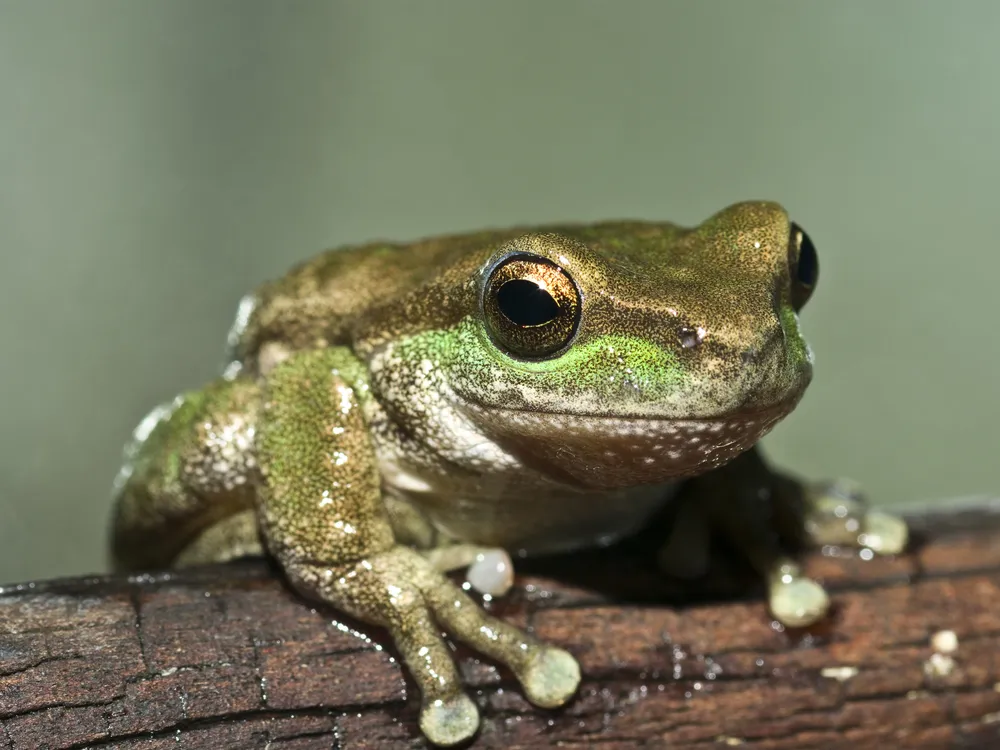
[531, 306]
[803, 263]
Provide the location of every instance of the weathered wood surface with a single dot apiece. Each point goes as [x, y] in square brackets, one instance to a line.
[225, 657]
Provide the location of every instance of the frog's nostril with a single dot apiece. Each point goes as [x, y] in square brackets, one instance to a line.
[691, 337]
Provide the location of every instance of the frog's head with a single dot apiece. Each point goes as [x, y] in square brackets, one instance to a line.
[626, 353]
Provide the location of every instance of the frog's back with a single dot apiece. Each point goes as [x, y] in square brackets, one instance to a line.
[321, 301]
[347, 292]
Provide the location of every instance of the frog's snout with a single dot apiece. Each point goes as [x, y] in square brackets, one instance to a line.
[764, 346]
[769, 374]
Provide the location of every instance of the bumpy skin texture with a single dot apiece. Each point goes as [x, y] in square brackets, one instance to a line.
[392, 412]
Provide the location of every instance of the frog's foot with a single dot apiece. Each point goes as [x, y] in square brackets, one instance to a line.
[795, 600]
[549, 675]
[832, 513]
[767, 518]
[489, 570]
[400, 590]
[835, 513]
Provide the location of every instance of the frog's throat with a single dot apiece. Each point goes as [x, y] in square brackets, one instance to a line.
[606, 452]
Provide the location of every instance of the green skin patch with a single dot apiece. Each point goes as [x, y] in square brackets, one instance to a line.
[796, 346]
[609, 374]
[588, 375]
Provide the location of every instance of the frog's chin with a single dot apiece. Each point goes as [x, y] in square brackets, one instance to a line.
[606, 452]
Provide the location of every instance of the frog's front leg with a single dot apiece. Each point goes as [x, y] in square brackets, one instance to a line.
[324, 519]
[766, 516]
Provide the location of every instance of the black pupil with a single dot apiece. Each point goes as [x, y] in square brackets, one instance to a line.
[526, 304]
[808, 265]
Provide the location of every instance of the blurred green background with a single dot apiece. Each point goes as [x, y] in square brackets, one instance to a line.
[157, 160]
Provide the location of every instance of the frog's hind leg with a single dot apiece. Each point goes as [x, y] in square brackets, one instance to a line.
[229, 539]
[185, 495]
[768, 517]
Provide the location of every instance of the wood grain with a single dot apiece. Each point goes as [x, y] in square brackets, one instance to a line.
[226, 657]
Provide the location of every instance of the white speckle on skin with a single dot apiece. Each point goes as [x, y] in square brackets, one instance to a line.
[346, 398]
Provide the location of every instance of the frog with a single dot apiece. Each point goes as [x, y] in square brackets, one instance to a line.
[390, 414]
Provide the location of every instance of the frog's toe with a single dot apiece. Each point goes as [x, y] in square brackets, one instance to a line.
[551, 677]
[836, 514]
[548, 675]
[449, 721]
[831, 516]
[883, 533]
[797, 601]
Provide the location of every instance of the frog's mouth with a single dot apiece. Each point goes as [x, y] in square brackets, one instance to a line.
[605, 452]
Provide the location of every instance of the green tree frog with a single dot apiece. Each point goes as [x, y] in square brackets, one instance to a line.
[392, 412]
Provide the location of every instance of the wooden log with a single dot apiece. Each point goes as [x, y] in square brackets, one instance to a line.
[226, 657]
